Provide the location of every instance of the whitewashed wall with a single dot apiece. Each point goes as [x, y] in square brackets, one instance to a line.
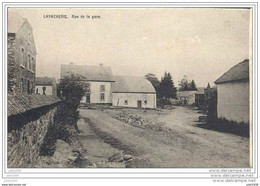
[233, 101]
[132, 98]
[48, 91]
[95, 92]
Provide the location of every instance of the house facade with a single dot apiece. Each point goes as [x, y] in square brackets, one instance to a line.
[134, 92]
[99, 79]
[45, 86]
[233, 93]
[21, 59]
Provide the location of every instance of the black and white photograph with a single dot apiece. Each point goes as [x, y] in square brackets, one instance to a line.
[129, 88]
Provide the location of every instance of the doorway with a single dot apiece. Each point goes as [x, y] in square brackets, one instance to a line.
[139, 104]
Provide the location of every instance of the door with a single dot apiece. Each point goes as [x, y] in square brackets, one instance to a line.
[139, 104]
[88, 98]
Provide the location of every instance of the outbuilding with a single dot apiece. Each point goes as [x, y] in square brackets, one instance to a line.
[233, 93]
[45, 86]
[134, 92]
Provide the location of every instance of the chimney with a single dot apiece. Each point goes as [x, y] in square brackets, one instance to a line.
[101, 64]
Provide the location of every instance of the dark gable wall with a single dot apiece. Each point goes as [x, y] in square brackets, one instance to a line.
[23, 39]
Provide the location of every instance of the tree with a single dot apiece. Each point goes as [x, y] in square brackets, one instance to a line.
[186, 85]
[72, 89]
[208, 86]
[167, 88]
[193, 85]
[183, 84]
[155, 82]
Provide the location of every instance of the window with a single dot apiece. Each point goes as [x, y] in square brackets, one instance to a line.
[126, 102]
[145, 102]
[102, 88]
[23, 62]
[43, 90]
[28, 87]
[29, 62]
[22, 85]
[32, 64]
[102, 97]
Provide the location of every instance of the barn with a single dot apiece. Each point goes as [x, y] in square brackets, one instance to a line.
[233, 93]
[134, 92]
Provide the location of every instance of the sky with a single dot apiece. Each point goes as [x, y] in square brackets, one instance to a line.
[201, 43]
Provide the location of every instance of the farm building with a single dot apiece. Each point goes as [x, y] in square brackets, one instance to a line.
[130, 91]
[104, 88]
[99, 79]
[45, 86]
[233, 93]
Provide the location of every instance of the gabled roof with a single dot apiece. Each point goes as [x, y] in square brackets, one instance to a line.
[20, 103]
[132, 84]
[239, 72]
[44, 81]
[90, 73]
[185, 93]
[15, 22]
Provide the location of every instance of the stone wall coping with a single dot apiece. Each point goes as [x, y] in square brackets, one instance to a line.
[20, 103]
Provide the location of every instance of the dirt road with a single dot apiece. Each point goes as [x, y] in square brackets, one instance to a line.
[185, 145]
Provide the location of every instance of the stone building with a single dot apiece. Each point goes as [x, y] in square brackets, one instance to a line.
[21, 55]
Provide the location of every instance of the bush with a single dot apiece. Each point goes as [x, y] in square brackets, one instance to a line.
[73, 88]
[63, 126]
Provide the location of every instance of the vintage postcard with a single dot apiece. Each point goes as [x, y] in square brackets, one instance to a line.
[132, 87]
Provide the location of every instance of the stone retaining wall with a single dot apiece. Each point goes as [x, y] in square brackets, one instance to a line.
[26, 134]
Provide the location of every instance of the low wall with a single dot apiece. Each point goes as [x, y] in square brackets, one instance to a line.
[27, 130]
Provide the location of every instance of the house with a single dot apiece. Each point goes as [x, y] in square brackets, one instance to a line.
[135, 92]
[21, 59]
[99, 79]
[186, 97]
[233, 93]
[45, 86]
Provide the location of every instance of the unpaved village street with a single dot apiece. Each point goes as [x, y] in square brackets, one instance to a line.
[180, 144]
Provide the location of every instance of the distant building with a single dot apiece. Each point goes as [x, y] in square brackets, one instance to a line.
[186, 97]
[130, 91]
[233, 93]
[46, 86]
[21, 55]
[99, 78]
[121, 91]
